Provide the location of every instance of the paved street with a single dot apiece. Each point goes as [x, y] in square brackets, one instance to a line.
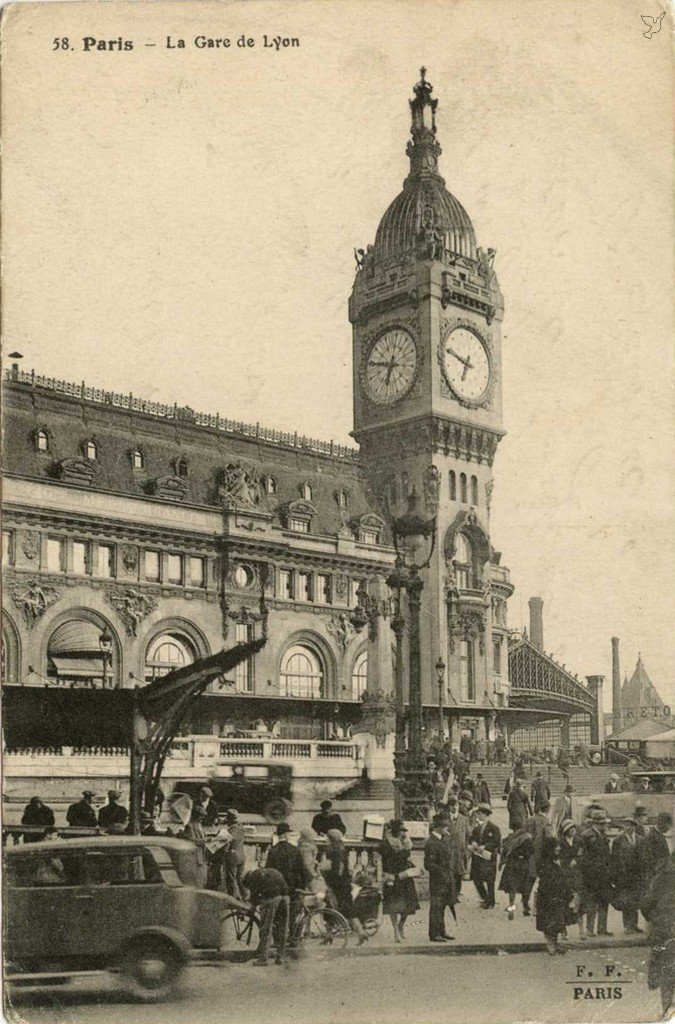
[414, 989]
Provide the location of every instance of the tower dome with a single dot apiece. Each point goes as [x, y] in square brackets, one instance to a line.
[424, 219]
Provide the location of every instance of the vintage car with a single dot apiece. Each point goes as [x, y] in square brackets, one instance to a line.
[250, 788]
[654, 790]
[124, 904]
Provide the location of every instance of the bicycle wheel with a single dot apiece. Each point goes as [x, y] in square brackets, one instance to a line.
[242, 926]
[324, 927]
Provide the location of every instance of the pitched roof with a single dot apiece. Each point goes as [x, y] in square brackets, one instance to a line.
[639, 691]
[641, 730]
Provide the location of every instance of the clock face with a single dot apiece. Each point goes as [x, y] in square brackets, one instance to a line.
[391, 366]
[466, 364]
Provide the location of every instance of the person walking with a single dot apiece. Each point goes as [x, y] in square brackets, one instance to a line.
[625, 868]
[539, 825]
[268, 893]
[518, 875]
[113, 813]
[288, 861]
[398, 876]
[482, 790]
[540, 792]
[554, 896]
[327, 819]
[235, 855]
[484, 843]
[37, 814]
[658, 908]
[570, 854]
[209, 806]
[563, 809]
[594, 867]
[456, 837]
[339, 879]
[480, 751]
[441, 881]
[82, 814]
[518, 806]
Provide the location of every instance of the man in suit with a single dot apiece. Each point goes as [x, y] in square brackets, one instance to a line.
[563, 809]
[235, 856]
[456, 838]
[518, 805]
[484, 843]
[625, 872]
[289, 862]
[540, 793]
[438, 863]
[613, 784]
[327, 819]
[654, 848]
[113, 813]
[269, 893]
[594, 869]
[482, 790]
[538, 826]
[82, 814]
[209, 806]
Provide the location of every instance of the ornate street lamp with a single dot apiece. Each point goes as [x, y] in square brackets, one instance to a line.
[105, 642]
[440, 672]
[414, 541]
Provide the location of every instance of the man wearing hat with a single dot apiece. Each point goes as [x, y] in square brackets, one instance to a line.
[594, 868]
[328, 819]
[518, 805]
[656, 847]
[563, 809]
[235, 856]
[438, 863]
[289, 862]
[209, 806]
[641, 815]
[540, 792]
[625, 872]
[456, 838]
[613, 784]
[112, 813]
[81, 814]
[269, 893]
[484, 842]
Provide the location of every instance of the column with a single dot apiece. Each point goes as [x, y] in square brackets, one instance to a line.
[565, 731]
[595, 688]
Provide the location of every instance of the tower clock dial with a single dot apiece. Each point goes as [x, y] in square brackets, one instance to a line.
[466, 364]
[390, 367]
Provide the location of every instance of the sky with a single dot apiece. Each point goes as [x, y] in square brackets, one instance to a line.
[180, 223]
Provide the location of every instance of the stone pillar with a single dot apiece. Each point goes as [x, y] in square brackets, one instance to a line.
[595, 684]
[565, 732]
[536, 605]
[616, 686]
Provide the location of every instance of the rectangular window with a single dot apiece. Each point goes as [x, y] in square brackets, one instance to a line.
[175, 569]
[197, 573]
[369, 536]
[7, 552]
[285, 583]
[497, 657]
[462, 576]
[322, 589]
[80, 557]
[298, 525]
[56, 554]
[304, 587]
[243, 673]
[106, 560]
[467, 680]
[152, 566]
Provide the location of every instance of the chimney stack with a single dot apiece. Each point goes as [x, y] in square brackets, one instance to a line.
[616, 686]
[537, 622]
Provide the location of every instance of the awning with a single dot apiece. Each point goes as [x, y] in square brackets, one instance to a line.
[88, 668]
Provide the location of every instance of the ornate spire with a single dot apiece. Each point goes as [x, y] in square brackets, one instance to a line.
[422, 148]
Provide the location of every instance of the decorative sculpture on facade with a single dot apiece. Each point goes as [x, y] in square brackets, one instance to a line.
[378, 716]
[431, 485]
[133, 606]
[239, 486]
[130, 558]
[33, 598]
[341, 628]
[468, 624]
[31, 544]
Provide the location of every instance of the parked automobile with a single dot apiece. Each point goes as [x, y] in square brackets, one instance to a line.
[657, 796]
[255, 788]
[124, 904]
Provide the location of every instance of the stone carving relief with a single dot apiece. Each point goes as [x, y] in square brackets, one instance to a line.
[239, 486]
[341, 587]
[172, 487]
[33, 598]
[431, 487]
[76, 471]
[341, 628]
[133, 606]
[130, 558]
[469, 624]
[31, 544]
[378, 716]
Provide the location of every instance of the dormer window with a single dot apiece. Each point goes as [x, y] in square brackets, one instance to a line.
[368, 528]
[306, 491]
[298, 525]
[42, 441]
[369, 537]
[137, 459]
[181, 466]
[90, 449]
[297, 516]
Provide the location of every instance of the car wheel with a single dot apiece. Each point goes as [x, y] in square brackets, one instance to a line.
[277, 811]
[150, 969]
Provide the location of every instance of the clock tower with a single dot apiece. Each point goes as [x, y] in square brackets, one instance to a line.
[426, 311]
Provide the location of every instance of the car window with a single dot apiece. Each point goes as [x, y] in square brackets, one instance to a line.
[44, 870]
[256, 771]
[122, 867]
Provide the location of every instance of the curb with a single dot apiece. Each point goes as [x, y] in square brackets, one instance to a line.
[469, 949]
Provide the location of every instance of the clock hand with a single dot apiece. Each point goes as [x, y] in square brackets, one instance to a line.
[451, 352]
[468, 365]
[391, 365]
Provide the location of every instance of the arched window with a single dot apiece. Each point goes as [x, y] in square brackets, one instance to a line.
[360, 675]
[452, 484]
[307, 492]
[182, 466]
[474, 490]
[42, 441]
[137, 460]
[167, 652]
[76, 655]
[90, 451]
[463, 562]
[301, 673]
[462, 488]
[341, 498]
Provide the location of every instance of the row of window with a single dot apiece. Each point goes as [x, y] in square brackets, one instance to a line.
[461, 488]
[293, 585]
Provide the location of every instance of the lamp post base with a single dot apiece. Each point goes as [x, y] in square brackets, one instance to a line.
[414, 791]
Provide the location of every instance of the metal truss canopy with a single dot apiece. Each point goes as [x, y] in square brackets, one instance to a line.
[538, 681]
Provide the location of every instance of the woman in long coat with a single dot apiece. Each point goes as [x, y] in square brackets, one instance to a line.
[339, 879]
[399, 892]
[554, 896]
[570, 853]
[518, 875]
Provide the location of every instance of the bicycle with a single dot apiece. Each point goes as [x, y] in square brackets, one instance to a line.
[316, 925]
